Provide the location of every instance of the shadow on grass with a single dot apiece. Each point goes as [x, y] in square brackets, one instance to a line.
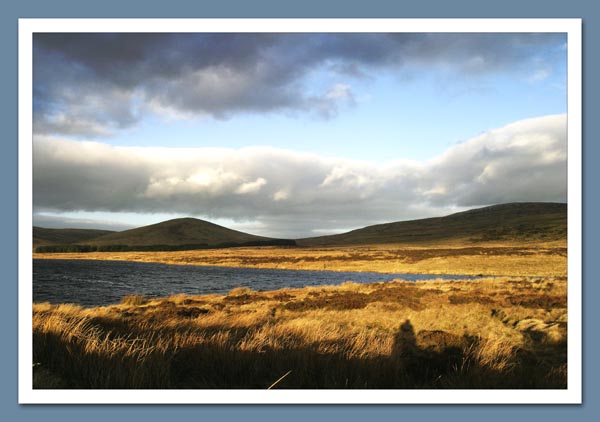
[427, 359]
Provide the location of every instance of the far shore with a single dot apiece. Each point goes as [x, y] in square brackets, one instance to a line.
[493, 259]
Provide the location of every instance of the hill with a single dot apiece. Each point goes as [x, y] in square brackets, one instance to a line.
[177, 232]
[43, 236]
[517, 222]
[523, 221]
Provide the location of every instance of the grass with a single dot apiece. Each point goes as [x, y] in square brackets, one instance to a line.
[43, 236]
[468, 258]
[134, 300]
[491, 333]
[179, 231]
[509, 331]
[519, 222]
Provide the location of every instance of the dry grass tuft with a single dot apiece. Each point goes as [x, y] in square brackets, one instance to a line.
[134, 300]
[240, 291]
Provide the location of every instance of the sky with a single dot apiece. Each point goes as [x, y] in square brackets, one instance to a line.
[293, 135]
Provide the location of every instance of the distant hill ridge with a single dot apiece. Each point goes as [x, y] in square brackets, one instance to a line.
[43, 236]
[525, 221]
[173, 235]
[179, 231]
[521, 221]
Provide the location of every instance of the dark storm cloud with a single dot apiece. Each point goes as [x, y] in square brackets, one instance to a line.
[289, 192]
[95, 84]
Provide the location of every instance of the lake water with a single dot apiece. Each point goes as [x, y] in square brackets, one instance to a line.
[94, 283]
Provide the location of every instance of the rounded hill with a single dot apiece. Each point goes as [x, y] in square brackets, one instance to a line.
[180, 231]
[522, 221]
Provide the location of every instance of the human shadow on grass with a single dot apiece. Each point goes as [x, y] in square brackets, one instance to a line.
[426, 359]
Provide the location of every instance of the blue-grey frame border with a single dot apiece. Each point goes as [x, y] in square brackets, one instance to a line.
[9, 13]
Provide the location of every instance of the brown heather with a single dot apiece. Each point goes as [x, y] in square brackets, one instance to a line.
[505, 332]
[457, 257]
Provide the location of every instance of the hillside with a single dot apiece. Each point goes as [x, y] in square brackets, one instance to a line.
[520, 222]
[535, 221]
[180, 231]
[43, 236]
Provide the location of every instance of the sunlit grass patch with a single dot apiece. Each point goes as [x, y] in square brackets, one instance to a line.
[444, 334]
[133, 300]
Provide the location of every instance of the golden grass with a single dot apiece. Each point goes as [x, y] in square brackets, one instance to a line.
[526, 259]
[133, 300]
[491, 333]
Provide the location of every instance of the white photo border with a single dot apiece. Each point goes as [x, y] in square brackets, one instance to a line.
[571, 395]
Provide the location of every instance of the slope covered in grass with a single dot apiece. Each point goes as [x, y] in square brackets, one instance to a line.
[535, 221]
[180, 231]
[516, 223]
[43, 236]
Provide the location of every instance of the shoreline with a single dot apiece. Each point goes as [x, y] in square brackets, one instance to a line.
[209, 265]
[441, 274]
[468, 259]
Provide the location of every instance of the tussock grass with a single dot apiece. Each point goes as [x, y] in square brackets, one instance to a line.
[441, 334]
[133, 300]
[240, 291]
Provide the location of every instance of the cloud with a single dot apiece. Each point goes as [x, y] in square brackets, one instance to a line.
[295, 194]
[251, 187]
[95, 84]
[524, 161]
[61, 222]
[539, 75]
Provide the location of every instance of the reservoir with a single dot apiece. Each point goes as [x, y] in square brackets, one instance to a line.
[97, 283]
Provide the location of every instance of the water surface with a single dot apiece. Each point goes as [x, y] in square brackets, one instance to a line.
[94, 283]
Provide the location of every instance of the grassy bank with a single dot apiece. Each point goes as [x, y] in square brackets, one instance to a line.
[492, 333]
[527, 259]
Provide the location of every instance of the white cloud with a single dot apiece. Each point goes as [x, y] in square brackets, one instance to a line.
[292, 192]
[339, 91]
[251, 187]
[62, 222]
[539, 75]
[281, 195]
